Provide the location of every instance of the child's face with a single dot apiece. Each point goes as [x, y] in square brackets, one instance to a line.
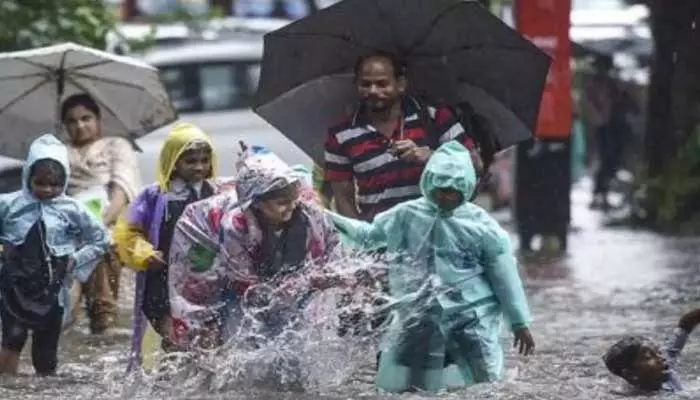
[648, 371]
[194, 165]
[45, 183]
[447, 199]
[279, 210]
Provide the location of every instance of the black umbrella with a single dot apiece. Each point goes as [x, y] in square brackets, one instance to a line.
[455, 51]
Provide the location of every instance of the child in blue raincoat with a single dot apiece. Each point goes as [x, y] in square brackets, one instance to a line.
[48, 238]
[453, 278]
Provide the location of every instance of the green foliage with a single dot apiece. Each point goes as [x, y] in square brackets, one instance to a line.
[194, 22]
[36, 23]
[679, 185]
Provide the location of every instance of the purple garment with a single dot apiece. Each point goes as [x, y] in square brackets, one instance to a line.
[147, 211]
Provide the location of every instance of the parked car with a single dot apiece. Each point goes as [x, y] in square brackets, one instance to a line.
[178, 33]
[212, 84]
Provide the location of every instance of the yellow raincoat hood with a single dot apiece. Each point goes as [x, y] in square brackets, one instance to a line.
[180, 138]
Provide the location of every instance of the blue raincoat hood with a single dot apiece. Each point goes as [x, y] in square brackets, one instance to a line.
[71, 230]
[450, 166]
[45, 147]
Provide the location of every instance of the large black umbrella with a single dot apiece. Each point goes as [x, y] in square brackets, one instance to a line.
[455, 51]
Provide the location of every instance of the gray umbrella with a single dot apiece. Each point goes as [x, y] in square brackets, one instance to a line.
[455, 51]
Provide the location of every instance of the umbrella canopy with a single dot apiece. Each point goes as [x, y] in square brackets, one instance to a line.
[33, 83]
[455, 51]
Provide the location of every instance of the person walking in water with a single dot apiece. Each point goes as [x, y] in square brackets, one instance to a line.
[186, 173]
[106, 165]
[453, 278]
[48, 239]
[374, 158]
[607, 108]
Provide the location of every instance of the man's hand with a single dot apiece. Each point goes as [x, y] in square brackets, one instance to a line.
[408, 150]
[524, 342]
[690, 320]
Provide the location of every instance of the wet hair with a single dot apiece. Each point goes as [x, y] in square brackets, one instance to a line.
[397, 63]
[81, 99]
[285, 192]
[198, 145]
[622, 354]
[48, 165]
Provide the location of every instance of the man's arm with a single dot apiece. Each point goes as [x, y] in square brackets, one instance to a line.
[344, 196]
[339, 172]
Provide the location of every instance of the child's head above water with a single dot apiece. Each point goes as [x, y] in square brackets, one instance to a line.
[639, 361]
[47, 179]
[447, 198]
[195, 163]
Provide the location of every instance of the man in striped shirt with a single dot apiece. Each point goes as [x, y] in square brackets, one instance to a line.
[374, 159]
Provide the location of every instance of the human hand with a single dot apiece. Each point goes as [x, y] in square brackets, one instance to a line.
[690, 320]
[524, 342]
[408, 150]
[156, 261]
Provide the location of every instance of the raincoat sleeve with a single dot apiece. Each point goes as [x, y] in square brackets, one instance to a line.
[361, 234]
[199, 274]
[132, 246]
[4, 203]
[95, 240]
[501, 269]
[130, 236]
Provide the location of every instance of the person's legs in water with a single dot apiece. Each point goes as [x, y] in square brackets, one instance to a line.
[45, 343]
[156, 305]
[14, 336]
[476, 349]
[192, 167]
[606, 168]
[101, 296]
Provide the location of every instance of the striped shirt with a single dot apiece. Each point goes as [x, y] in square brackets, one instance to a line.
[355, 149]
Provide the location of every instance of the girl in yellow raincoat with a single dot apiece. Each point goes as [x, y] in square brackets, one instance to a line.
[186, 171]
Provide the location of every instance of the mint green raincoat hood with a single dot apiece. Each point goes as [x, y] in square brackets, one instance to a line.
[463, 255]
[450, 167]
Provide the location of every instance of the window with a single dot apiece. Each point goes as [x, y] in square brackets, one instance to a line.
[214, 86]
[217, 87]
[174, 81]
[253, 76]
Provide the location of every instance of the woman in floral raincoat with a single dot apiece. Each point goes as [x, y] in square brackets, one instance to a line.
[272, 230]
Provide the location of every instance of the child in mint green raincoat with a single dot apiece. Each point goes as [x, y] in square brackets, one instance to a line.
[452, 280]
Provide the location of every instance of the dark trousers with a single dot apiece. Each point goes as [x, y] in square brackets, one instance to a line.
[44, 339]
[610, 144]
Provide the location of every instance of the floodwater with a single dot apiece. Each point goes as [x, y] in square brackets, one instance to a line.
[613, 282]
